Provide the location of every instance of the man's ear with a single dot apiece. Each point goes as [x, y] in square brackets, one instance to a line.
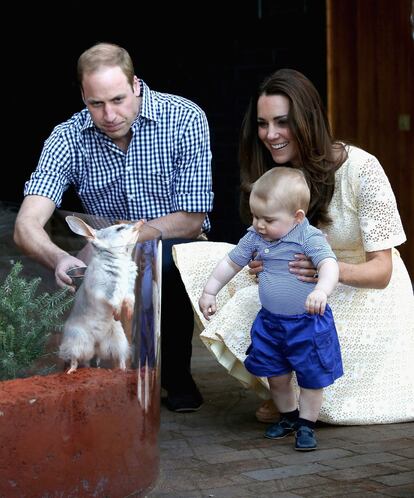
[136, 87]
[299, 215]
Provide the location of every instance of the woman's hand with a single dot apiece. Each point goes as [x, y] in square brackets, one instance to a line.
[303, 268]
[255, 266]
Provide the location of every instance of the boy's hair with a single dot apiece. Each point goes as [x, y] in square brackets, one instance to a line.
[283, 187]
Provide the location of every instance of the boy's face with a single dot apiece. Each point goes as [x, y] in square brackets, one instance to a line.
[271, 222]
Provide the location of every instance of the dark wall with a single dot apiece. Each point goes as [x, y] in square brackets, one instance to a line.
[214, 53]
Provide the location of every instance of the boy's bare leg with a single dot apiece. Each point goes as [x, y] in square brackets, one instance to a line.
[310, 402]
[283, 393]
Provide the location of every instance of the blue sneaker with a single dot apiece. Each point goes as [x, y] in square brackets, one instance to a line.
[281, 429]
[305, 439]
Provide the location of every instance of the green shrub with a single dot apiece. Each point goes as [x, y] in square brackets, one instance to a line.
[26, 322]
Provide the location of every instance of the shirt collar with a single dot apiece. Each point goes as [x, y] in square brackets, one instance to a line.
[88, 123]
[295, 233]
[148, 104]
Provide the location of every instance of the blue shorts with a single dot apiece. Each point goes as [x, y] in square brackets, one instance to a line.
[307, 344]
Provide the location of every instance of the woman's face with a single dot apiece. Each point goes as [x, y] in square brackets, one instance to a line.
[274, 130]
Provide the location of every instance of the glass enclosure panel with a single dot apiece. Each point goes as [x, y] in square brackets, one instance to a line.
[79, 384]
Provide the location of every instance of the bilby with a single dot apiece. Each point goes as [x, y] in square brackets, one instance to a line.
[93, 327]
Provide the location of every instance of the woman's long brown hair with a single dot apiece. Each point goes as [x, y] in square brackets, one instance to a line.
[319, 155]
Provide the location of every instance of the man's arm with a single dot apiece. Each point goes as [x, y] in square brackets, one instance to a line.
[179, 225]
[192, 195]
[33, 240]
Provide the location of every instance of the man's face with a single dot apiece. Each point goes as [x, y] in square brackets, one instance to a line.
[111, 101]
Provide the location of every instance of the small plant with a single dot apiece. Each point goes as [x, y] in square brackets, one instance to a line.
[26, 321]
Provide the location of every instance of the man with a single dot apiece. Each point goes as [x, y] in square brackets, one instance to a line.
[132, 153]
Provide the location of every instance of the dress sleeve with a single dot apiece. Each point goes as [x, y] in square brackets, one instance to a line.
[380, 222]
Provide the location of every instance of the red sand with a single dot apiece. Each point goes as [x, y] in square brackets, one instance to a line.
[78, 435]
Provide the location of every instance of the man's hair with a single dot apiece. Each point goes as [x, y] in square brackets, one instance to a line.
[286, 188]
[105, 55]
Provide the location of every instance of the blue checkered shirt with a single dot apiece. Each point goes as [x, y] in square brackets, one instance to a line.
[167, 167]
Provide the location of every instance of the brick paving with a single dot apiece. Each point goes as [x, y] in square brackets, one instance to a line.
[220, 451]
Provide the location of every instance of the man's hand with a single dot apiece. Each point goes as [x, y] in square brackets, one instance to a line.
[64, 263]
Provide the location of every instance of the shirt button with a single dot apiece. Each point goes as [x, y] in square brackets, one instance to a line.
[266, 251]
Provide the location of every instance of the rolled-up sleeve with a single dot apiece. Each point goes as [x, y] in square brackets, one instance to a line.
[193, 182]
[50, 178]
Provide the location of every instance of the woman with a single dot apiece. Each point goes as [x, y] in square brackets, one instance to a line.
[353, 203]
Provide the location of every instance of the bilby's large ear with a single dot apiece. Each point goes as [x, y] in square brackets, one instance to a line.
[80, 227]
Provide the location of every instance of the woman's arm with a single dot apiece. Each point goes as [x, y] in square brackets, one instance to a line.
[374, 273]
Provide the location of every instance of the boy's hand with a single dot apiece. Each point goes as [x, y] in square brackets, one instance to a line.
[207, 305]
[316, 302]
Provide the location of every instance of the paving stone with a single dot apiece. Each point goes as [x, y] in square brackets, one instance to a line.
[404, 445]
[286, 471]
[292, 484]
[407, 452]
[364, 471]
[323, 456]
[402, 491]
[368, 458]
[238, 467]
[396, 479]
[407, 463]
[331, 490]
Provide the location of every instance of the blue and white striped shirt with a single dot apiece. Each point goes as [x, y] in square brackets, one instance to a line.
[167, 167]
[280, 291]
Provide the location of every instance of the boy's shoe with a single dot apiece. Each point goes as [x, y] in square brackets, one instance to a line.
[281, 429]
[305, 439]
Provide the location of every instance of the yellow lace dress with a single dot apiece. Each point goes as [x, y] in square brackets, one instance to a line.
[375, 327]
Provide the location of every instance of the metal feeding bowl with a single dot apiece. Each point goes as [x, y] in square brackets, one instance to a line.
[76, 274]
